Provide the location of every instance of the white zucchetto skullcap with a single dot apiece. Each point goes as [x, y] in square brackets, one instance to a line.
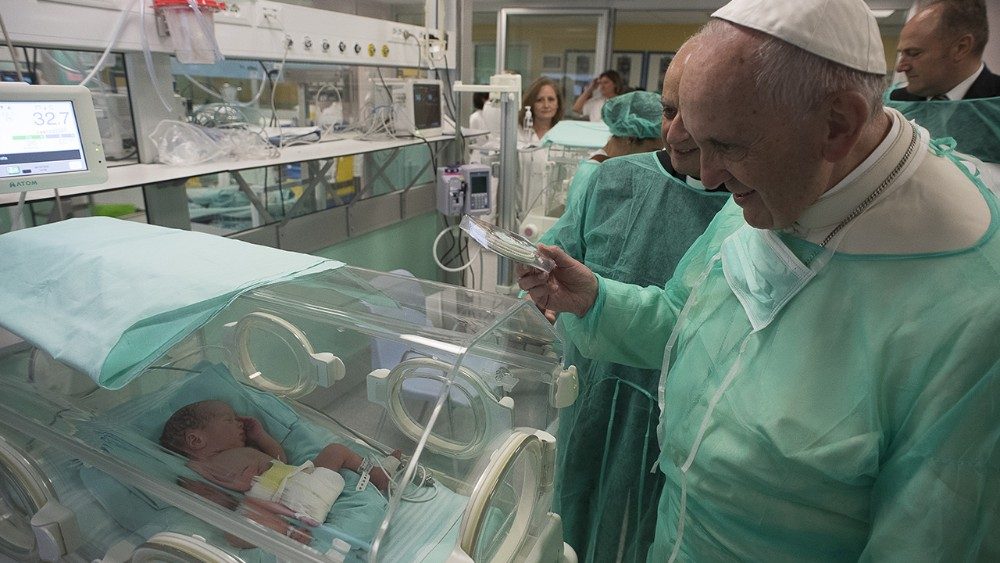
[842, 31]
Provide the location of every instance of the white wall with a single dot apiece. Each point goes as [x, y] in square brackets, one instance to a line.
[992, 54]
[367, 8]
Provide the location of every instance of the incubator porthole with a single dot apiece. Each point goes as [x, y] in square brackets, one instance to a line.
[461, 428]
[505, 502]
[169, 547]
[273, 355]
[23, 492]
[457, 422]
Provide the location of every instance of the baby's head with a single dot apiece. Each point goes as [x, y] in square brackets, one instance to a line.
[202, 429]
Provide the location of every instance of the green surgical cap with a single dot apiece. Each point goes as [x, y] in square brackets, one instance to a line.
[636, 114]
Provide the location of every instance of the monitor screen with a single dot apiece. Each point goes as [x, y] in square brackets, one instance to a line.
[48, 138]
[426, 105]
[39, 137]
[479, 182]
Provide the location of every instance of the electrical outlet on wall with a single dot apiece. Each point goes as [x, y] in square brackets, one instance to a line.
[269, 17]
[236, 13]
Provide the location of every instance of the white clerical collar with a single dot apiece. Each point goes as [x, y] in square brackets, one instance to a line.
[844, 197]
[959, 91]
[867, 163]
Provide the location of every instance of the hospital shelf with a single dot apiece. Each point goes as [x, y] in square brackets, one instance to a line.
[130, 175]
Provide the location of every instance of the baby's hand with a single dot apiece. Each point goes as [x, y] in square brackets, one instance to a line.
[253, 429]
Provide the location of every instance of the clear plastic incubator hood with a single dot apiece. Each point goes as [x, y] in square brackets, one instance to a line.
[458, 388]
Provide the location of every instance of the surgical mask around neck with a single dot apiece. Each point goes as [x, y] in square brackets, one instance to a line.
[763, 273]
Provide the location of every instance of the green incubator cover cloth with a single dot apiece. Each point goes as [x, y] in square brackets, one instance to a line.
[108, 296]
[583, 134]
[630, 220]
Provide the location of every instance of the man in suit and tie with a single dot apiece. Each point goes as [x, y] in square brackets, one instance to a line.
[941, 53]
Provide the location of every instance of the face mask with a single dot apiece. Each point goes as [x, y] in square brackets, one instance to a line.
[763, 273]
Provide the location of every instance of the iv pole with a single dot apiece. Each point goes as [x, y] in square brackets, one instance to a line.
[508, 88]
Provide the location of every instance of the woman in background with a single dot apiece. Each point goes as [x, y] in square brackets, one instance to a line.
[546, 105]
[601, 89]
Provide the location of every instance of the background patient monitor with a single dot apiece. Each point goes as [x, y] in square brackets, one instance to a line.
[48, 138]
[416, 104]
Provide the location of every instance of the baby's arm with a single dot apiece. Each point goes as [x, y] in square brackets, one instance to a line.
[260, 439]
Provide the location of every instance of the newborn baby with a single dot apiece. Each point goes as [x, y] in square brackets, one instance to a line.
[236, 452]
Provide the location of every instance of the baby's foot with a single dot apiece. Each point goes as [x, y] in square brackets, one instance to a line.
[380, 477]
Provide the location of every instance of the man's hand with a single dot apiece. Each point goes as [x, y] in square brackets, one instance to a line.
[570, 287]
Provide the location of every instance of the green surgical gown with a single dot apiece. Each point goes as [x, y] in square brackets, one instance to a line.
[862, 423]
[632, 223]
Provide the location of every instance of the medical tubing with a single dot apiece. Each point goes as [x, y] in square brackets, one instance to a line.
[437, 260]
[206, 30]
[148, 56]
[453, 108]
[531, 205]
[115, 34]
[210, 92]
[13, 56]
[274, 90]
[423, 480]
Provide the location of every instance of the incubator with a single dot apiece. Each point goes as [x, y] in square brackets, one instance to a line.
[550, 170]
[464, 385]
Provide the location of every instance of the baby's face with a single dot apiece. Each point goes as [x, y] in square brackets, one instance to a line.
[224, 431]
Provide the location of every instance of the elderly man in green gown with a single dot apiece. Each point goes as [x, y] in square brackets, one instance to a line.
[830, 347]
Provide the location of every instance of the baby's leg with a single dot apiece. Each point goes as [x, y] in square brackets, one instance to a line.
[379, 477]
[337, 456]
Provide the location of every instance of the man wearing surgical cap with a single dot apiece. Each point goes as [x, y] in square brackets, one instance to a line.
[631, 223]
[830, 347]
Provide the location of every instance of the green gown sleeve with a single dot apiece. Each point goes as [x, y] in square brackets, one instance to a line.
[629, 324]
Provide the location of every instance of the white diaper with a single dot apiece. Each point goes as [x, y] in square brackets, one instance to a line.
[305, 489]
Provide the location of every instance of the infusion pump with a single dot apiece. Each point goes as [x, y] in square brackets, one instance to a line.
[464, 190]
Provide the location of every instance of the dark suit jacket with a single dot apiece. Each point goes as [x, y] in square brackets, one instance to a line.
[986, 86]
